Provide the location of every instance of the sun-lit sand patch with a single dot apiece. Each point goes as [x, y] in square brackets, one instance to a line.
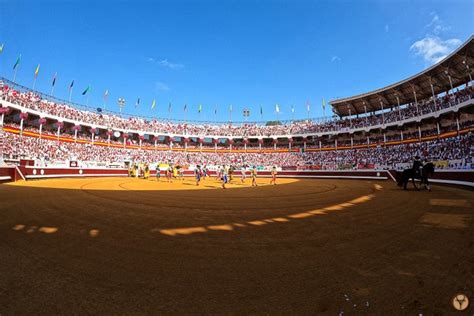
[239, 225]
[257, 223]
[318, 212]
[150, 184]
[280, 219]
[94, 233]
[48, 230]
[300, 215]
[361, 199]
[347, 204]
[450, 202]
[450, 221]
[18, 227]
[221, 227]
[337, 207]
[183, 231]
[32, 229]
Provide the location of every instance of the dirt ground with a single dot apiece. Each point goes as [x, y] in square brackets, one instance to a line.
[134, 246]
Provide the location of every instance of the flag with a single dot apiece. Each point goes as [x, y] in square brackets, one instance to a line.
[277, 108]
[215, 111]
[153, 104]
[307, 106]
[292, 109]
[54, 79]
[230, 108]
[137, 103]
[71, 85]
[106, 94]
[87, 90]
[185, 107]
[200, 108]
[1, 48]
[17, 63]
[324, 105]
[261, 110]
[169, 107]
[37, 70]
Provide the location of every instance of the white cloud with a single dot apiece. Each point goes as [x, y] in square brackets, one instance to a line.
[433, 49]
[335, 58]
[436, 25]
[160, 86]
[165, 63]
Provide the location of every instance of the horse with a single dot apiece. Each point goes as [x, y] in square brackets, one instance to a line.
[426, 172]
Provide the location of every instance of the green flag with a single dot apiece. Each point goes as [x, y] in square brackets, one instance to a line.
[1, 48]
[153, 104]
[87, 90]
[17, 63]
[200, 108]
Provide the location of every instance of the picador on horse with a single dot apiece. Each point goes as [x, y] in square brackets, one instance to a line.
[419, 170]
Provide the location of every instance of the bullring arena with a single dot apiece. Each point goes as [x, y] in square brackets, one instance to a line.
[104, 212]
[134, 245]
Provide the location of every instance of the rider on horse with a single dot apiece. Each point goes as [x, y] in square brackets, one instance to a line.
[417, 165]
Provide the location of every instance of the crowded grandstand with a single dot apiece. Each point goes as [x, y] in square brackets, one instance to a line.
[428, 115]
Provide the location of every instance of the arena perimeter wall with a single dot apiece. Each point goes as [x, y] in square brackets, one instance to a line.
[456, 177]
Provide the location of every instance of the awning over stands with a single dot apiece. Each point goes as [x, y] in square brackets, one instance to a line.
[451, 72]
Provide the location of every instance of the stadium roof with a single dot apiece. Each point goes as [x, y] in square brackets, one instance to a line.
[457, 65]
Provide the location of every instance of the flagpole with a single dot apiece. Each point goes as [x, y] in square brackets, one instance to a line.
[34, 83]
[14, 74]
[70, 93]
[52, 90]
[185, 114]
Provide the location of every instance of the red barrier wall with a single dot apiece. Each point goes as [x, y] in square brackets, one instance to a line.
[459, 177]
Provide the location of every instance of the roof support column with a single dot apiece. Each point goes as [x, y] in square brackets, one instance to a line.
[468, 70]
[450, 81]
[434, 97]
[352, 141]
[350, 119]
[416, 101]
[398, 108]
[366, 118]
[383, 117]
[419, 132]
[437, 127]
[401, 135]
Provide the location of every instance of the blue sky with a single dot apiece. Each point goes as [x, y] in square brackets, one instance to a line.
[217, 53]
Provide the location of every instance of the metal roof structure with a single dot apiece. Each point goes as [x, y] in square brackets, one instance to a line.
[452, 71]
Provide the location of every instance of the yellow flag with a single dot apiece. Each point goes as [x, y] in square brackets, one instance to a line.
[37, 70]
[153, 104]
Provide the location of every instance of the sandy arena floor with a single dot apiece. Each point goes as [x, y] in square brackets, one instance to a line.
[133, 246]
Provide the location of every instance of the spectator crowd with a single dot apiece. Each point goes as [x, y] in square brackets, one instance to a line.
[33, 101]
[459, 149]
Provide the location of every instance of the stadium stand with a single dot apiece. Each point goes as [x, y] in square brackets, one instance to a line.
[429, 114]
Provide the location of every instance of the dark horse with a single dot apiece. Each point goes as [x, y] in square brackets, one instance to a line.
[426, 172]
